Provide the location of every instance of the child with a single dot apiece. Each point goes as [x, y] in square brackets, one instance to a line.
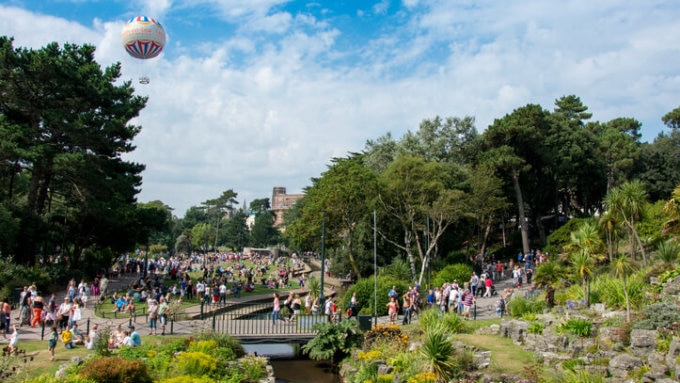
[392, 309]
[52, 342]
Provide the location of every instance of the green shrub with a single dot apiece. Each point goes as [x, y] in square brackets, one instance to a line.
[206, 346]
[452, 322]
[115, 370]
[536, 328]
[365, 289]
[224, 341]
[608, 289]
[459, 272]
[573, 364]
[576, 326]
[521, 306]
[254, 368]
[658, 315]
[438, 351]
[334, 341]
[385, 334]
[195, 363]
[562, 236]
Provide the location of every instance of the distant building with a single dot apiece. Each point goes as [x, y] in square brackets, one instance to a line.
[282, 202]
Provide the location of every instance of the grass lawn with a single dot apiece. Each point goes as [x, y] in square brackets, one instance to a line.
[506, 357]
[105, 310]
[41, 363]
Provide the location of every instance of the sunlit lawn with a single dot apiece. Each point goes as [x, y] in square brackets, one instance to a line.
[106, 309]
[506, 357]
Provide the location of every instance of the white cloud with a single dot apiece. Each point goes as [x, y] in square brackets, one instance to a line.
[249, 113]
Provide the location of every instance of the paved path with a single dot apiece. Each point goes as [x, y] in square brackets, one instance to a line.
[485, 310]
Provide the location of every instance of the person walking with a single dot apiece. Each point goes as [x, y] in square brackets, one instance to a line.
[63, 313]
[153, 317]
[38, 305]
[276, 309]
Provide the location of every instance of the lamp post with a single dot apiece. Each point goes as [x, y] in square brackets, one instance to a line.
[323, 258]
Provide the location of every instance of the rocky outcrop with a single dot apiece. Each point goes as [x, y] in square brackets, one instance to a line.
[622, 365]
[601, 354]
[642, 342]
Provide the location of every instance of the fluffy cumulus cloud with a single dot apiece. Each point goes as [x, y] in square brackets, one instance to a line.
[272, 90]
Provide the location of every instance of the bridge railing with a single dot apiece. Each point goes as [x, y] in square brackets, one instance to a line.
[252, 320]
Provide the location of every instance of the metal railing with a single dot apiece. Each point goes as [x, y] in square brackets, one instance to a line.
[257, 320]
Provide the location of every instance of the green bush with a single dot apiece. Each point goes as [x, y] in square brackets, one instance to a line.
[577, 326]
[254, 368]
[536, 328]
[115, 370]
[224, 341]
[562, 236]
[333, 341]
[658, 315]
[365, 287]
[459, 272]
[518, 307]
[195, 363]
[608, 289]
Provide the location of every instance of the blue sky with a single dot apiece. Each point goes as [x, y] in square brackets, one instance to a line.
[252, 94]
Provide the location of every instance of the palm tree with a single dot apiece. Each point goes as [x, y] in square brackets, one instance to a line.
[548, 274]
[672, 210]
[609, 223]
[438, 350]
[627, 201]
[622, 267]
[584, 249]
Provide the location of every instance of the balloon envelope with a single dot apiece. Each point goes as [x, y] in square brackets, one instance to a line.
[143, 37]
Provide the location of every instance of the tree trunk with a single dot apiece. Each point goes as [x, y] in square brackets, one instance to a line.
[522, 216]
[409, 252]
[625, 293]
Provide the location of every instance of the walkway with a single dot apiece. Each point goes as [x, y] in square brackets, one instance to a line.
[260, 327]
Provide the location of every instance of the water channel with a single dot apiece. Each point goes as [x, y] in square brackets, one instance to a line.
[292, 368]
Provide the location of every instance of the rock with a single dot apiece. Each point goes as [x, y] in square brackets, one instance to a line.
[552, 358]
[673, 352]
[610, 334]
[598, 308]
[642, 342]
[657, 366]
[622, 364]
[514, 329]
[672, 287]
[482, 359]
[76, 360]
[384, 369]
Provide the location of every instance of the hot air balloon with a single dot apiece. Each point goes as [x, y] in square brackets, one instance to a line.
[143, 38]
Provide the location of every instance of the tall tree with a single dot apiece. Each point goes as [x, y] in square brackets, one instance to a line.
[511, 145]
[619, 148]
[218, 207]
[235, 233]
[344, 194]
[487, 202]
[627, 202]
[413, 190]
[263, 233]
[64, 128]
